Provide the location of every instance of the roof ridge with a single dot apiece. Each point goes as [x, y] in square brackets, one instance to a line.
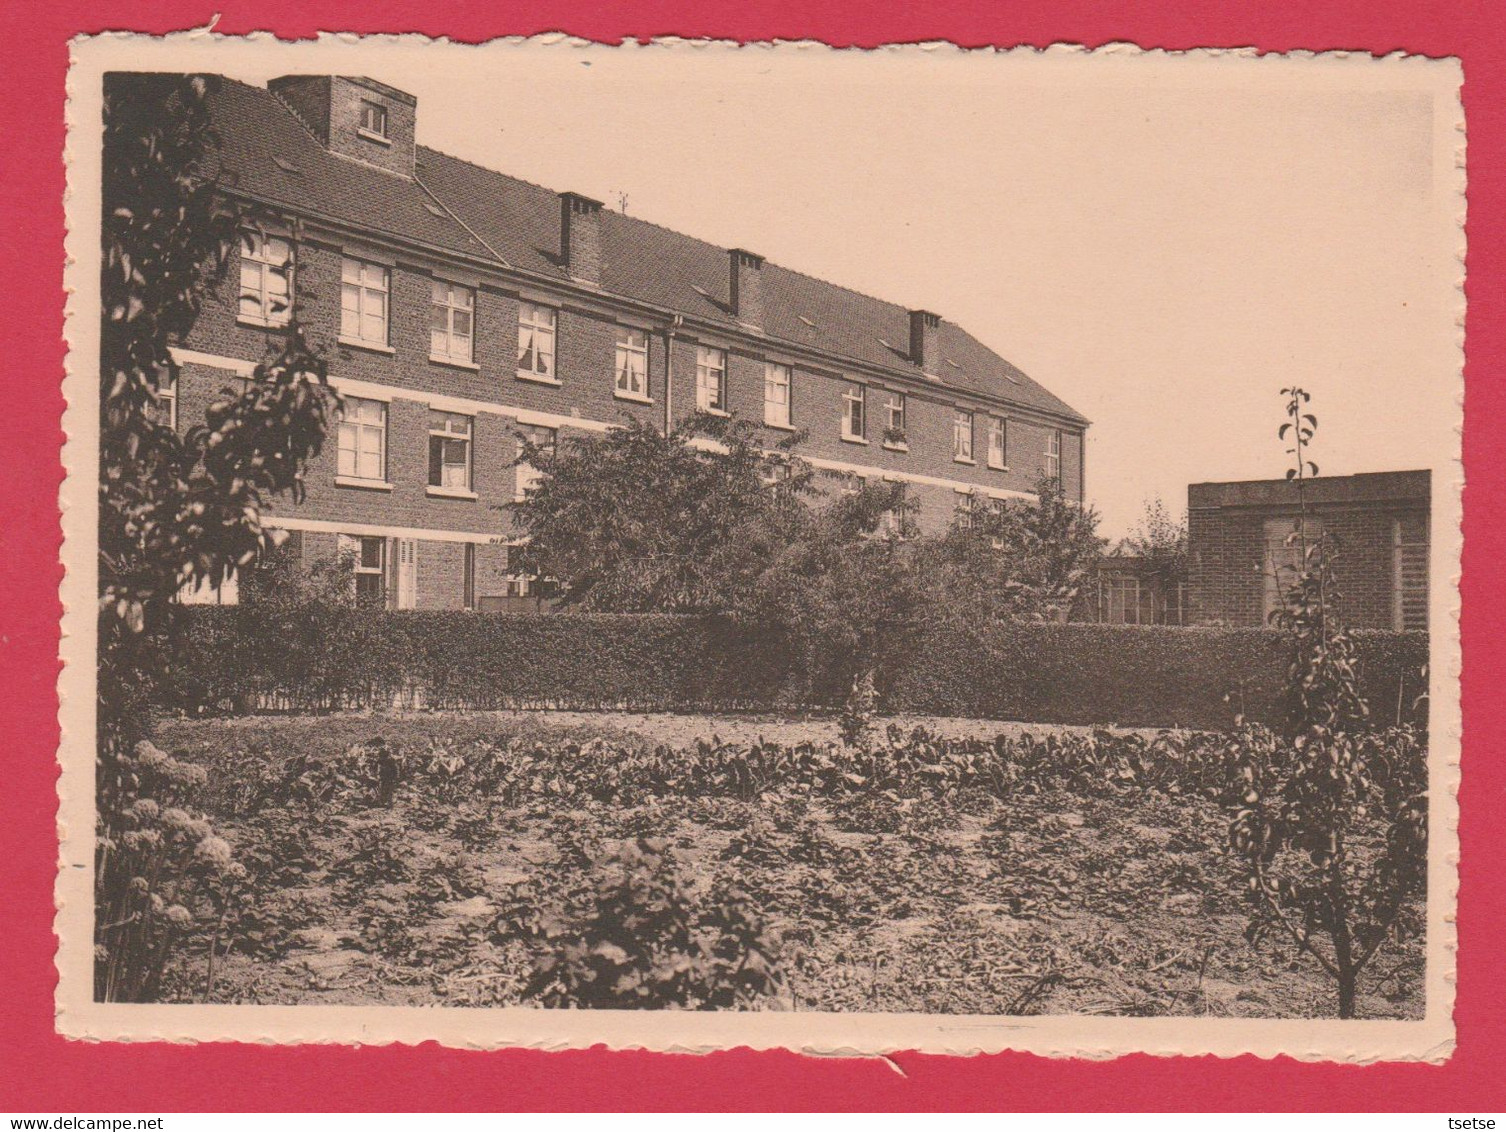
[677, 232]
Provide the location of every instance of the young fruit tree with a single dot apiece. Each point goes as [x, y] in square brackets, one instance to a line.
[177, 508]
[1333, 824]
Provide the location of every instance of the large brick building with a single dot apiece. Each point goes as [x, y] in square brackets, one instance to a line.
[459, 307]
[1241, 554]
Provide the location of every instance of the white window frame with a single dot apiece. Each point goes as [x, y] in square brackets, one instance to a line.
[538, 328]
[895, 411]
[711, 395]
[1409, 575]
[630, 367]
[1129, 592]
[167, 398]
[452, 303]
[526, 475]
[355, 546]
[965, 508]
[258, 267]
[354, 436]
[368, 292]
[855, 412]
[892, 521]
[380, 120]
[449, 429]
[998, 443]
[964, 424]
[778, 395]
[1053, 467]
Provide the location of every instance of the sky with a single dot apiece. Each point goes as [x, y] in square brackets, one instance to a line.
[1163, 242]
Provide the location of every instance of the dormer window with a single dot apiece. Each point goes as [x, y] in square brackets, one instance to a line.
[373, 119]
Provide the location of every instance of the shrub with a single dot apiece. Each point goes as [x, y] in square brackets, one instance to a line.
[322, 658]
[645, 941]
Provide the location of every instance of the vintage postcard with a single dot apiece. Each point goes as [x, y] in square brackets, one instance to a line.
[686, 545]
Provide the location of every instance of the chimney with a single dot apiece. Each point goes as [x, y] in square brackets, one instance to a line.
[354, 117]
[747, 287]
[580, 237]
[925, 341]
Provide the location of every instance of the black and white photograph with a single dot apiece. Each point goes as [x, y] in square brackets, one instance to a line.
[682, 546]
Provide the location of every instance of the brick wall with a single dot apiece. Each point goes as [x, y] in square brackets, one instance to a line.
[1227, 569]
[583, 390]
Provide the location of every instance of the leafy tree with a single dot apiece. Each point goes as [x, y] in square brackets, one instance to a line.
[1023, 560]
[1160, 539]
[839, 584]
[1333, 829]
[281, 578]
[175, 509]
[636, 520]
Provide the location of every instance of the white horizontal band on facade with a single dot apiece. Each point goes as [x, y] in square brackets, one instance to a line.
[914, 477]
[889, 475]
[425, 534]
[237, 366]
[445, 404]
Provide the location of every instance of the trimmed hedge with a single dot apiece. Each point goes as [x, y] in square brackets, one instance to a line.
[1138, 676]
[323, 658]
[258, 658]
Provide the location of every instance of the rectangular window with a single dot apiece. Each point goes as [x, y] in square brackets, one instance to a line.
[632, 363]
[854, 412]
[527, 475]
[362, 439]
[964, 516]
[468, 583]
[452, 322]
[892, 522]
[364, 288]
[1121, 604]
[1409, 586]
[711, 379]
[373, 118]
[165, 410]
[266, 279]
[776, 394]
[894, 420]
[773, 473]
[367, 555]
[962, 437]
[1053, 467]
[450, 451]
[536, 334]
[998, 443]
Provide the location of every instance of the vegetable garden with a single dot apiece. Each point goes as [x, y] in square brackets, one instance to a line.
[472, 860]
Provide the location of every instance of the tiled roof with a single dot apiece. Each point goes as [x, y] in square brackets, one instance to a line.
[268, 154]
[519, 222]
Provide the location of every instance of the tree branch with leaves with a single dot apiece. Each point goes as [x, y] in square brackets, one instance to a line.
[176, 508]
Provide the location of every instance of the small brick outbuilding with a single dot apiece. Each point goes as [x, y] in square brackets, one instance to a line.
[1239, 548]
